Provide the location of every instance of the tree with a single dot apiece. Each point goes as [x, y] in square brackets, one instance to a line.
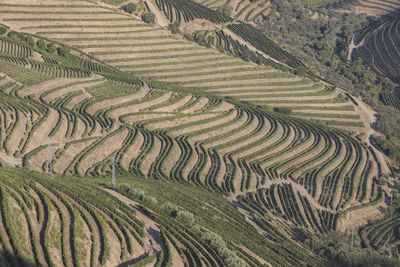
[130, 8]
[226, 10]
[3, 30]
[283, 110]
[63, 50]
[149, 17]
[16, 35]
[51, 48]
[174, 27]
[30, 41]
[382, 181]
[41, 44]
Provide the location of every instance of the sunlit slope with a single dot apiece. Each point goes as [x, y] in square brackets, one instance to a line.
[131, 45]
[228, 147]
[188, 121]
[63, 221]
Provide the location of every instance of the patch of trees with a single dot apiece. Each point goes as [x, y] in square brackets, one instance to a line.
[388, 147]
[336, 246]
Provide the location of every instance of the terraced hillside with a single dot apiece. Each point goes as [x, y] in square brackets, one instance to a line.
[62, 223]
[377, 7]
[245, 10]
[169, 109]
[77, 125]
[65, 221]
[379, 48]
[150, 51]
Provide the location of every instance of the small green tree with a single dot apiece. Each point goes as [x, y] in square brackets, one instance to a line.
[382, 181]
[130, 8]
[30, 41]
[149, 17]
[283, 110]
[3, 30]
[41, 44]
[63, 50]
[226, 10]
[15, 35]
[51, 48]
[174, 27]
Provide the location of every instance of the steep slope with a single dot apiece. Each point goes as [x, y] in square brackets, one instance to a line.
[377, 7]
[194, 116]
[150, 51]
[380, 49]
[64, 221]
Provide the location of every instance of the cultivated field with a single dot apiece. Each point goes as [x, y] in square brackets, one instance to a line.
[184, 115]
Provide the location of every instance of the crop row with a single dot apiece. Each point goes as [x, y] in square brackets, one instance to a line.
[189, 10]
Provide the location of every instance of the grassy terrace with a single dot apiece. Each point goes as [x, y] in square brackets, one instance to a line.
[151, 51]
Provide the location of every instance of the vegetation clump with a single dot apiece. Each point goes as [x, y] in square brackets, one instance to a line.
[3, 30]
[129, 8]
[283, 110]
[337, 247]
[149, 17]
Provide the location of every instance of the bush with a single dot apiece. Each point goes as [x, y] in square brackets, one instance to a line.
[382, 181]
[283, 110]
[51, 48]
[174, 27]
[63, 50]
[30, 41]
[149, 17]
[41, 44]
[3, 30]
[130, 8]
[226, 10]
[185, 217]
[16, 35]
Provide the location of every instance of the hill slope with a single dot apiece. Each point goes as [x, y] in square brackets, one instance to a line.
[169, 109]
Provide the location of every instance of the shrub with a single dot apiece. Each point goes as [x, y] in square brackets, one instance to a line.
[174, 27]
[382, 181]
[41, 44]
[170, 209]
[149, 17]
[130, 8]
[51, 48]
[3, 30]
[185, 217]
[283, 110]
[16, 35]
[226, 10]
[30, 41]
[63, 50]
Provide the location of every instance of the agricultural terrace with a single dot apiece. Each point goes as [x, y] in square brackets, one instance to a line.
[132, 46]
[76, 125]
[245, 10]
[66, 221]
[380, 49]
[377, 7]
[195, 118]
